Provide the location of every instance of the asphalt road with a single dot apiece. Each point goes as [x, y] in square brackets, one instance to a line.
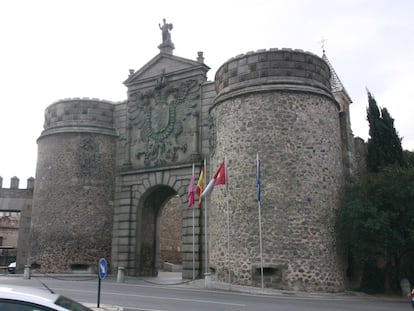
[153, 294]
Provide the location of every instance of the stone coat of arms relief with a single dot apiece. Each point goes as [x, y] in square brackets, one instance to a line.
[163, 123]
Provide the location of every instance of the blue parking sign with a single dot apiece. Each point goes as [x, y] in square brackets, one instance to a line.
[102, 268]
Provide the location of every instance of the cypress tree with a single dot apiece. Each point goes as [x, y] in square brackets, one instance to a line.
[374, 149]
[393, 152]
[384, 144]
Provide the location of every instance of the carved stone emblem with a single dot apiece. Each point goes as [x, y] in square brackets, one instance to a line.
[157, 120]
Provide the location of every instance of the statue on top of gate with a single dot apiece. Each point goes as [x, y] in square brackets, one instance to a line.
[166, 35]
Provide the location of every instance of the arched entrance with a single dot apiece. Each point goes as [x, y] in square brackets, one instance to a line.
[152, 225]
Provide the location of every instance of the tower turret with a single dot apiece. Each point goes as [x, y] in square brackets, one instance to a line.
[278, 104]
[74, 189]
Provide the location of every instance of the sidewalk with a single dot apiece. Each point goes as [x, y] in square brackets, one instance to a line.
[211, 284]
[175, 279]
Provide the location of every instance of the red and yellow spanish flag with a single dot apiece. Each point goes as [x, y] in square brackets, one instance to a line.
[200, 186]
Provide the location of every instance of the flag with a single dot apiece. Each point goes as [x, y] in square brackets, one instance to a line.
[220, 175]
[219, 178]
[258, 179]
[190, 194]
[200, 185]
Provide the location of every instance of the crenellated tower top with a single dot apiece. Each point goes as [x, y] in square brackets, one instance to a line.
[14, 183]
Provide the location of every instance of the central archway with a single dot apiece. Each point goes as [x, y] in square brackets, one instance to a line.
[149, 214]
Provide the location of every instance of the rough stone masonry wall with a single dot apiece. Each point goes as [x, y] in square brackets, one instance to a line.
[292, 121]
[170, 233]
[73, 196]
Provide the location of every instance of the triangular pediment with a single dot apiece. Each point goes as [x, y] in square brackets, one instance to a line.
[165, 64]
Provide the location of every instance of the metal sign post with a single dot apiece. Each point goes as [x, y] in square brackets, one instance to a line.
[102, 267]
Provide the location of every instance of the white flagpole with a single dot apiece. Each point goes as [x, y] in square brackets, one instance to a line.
[205, 222]
[193, 231]
[228, 221]
[258, 181]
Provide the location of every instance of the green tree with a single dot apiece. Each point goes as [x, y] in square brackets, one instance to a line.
[409, 158]
[376, 221]
[384, 144]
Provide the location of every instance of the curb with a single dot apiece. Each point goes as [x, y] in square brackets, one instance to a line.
[215, 285]
[103, 307]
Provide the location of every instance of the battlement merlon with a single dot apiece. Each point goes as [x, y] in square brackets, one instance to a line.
[14, 183]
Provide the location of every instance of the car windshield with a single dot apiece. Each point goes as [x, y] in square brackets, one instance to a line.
[70, 304]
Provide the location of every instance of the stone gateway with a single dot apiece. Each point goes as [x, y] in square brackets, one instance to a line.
[106, 171]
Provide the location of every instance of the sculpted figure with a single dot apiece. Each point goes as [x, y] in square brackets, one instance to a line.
[165, 30]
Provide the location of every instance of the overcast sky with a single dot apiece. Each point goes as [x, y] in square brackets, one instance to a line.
[58, 49]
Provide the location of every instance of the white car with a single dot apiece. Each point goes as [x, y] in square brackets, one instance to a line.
[12, 267]
[22, 298]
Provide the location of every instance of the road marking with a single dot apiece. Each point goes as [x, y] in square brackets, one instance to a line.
[160, 298]
[180, 299]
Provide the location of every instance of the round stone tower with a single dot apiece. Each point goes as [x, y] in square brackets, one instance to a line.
[74, 188]
[277, 103]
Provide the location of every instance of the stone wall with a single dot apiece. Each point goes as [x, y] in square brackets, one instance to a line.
[360, 154]
[277, 103]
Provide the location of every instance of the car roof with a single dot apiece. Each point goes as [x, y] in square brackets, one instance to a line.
[29, 294]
